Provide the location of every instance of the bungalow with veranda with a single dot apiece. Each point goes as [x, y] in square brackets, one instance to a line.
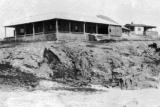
[63, 26]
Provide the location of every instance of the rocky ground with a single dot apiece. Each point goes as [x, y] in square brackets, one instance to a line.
[62, 74]
[124, 64]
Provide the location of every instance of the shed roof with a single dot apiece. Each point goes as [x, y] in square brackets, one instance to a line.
[140, 25]
[125, 28]
[61, 15]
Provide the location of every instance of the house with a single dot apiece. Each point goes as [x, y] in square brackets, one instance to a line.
[63, 26]
[142, 29]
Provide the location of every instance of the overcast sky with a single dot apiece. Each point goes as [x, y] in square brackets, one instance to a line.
[122, 11]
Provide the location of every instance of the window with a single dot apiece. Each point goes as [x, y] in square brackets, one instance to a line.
[139, 29]
[50, 27]
[76, 27]
[20, 30]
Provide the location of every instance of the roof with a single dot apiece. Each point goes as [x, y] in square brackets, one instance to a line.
[67, 16]
[107, 18]
[140, 25]
[125, 28]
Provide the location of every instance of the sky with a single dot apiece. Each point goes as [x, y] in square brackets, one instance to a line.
[122, 11]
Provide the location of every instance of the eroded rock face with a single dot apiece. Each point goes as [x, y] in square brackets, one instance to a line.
[126, 65]
[53, 63]
[69, 63]
[14, 76]
[21, 63]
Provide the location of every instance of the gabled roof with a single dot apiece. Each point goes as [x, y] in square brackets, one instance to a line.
[61, 15]
[107, 18]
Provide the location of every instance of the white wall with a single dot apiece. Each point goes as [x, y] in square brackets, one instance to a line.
[139, 30]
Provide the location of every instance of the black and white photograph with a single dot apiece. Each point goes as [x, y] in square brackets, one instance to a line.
[79, 53]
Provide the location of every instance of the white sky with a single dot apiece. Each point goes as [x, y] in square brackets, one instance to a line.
[122, 11]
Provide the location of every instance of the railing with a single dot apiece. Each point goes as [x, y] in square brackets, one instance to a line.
[31, 37]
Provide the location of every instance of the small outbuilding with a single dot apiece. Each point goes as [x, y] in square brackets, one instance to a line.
[142, 29]
[63, 26]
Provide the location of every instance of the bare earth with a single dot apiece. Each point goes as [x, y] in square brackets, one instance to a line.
[62, 98]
